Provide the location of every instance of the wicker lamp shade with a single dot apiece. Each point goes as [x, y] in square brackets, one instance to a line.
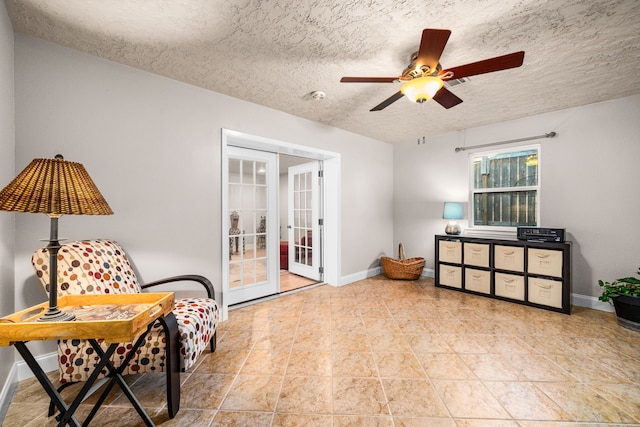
[54, 187]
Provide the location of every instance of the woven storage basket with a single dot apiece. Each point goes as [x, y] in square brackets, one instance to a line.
[402, 268]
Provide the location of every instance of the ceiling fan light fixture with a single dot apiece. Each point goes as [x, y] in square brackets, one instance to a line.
[421, 89]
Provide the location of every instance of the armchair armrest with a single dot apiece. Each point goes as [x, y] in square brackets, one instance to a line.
[211, 293]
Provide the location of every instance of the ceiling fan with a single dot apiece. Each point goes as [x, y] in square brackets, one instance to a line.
[424, 78]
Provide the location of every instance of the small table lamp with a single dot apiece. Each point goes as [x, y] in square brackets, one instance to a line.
[54, 187]
[452, 212]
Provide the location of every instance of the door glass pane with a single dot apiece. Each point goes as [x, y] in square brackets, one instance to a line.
[261, 173]
[302, 213]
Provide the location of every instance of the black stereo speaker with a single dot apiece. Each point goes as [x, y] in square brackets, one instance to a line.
[541, 234]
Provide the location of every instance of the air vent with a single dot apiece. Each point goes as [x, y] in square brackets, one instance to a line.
[456, 82]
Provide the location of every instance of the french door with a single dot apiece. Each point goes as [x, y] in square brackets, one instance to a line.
[305, 255]
[251, 212]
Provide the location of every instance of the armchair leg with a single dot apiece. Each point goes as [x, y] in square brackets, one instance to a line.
[213, 341]
[170, 326]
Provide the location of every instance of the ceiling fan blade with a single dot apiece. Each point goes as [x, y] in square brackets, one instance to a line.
[384, 104]
[446, 98]
[368, 79]
[490, 65]
[431, 47]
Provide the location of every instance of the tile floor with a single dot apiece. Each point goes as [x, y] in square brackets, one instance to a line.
[393, 353]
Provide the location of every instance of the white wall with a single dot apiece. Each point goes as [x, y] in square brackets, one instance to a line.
[7, 173]
[589, 178]
[153, 147]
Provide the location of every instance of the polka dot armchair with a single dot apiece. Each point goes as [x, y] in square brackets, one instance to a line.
[101, 266]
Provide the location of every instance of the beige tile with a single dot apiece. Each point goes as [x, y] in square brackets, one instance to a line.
[416, 326]
[281, 324]
[413, 398]
[628, 366]
[539, 368]
[238, 339]
[587, 369]
[359, 396]
[423, 422]
[299, 420]
[253, 393]
[428, 343]
[316, 320]
[349, 342]
[492, 367]
[242, 419]
[388, 342]
[223, 362]
[525, 401]
[309, 363]
[374, 310]
[310, 339]
[281, 341]
[491, 423]
[265, 362]
[22, 414]
[361, 421]
[583, 403]
[467, 343]
[149, 389]
[469, 399]
[507, 344]
[624, 396]
[445, 366]
[205, 391]
[398, 365]
[353, 364]
[185, 417]
[381, 326]
[352, 324]
[305, 395]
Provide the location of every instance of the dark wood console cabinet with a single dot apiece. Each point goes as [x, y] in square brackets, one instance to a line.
[532, 273]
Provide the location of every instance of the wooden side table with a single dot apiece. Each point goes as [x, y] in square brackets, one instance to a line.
[113, 318]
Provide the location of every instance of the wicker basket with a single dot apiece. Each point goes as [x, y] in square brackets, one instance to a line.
[402, 268]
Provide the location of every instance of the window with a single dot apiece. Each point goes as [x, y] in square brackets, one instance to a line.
[505, 187]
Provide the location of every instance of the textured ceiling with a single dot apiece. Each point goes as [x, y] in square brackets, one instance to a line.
[276, 52]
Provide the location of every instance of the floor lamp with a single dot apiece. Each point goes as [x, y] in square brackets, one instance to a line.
[54, 187]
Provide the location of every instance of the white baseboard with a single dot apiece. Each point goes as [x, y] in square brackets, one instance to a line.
[590, 302]
[361, 275]
[9, 389]
[20, 371]
[345, 280]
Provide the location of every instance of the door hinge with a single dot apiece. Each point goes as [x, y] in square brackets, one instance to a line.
[320, 174]
[321, 270]
[321, 221]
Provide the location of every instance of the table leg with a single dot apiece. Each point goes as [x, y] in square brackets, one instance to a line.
[103, 362]
[116, 376]
[45, 382]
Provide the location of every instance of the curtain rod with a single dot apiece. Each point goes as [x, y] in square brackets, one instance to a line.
[546, 135]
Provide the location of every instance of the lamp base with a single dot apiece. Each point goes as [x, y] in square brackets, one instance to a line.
[56, 315]
[452, 228]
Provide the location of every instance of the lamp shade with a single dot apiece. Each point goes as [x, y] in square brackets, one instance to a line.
[453, 210]
[54, 187]
[421, 89]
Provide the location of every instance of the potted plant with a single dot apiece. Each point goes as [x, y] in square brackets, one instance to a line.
[625, 295]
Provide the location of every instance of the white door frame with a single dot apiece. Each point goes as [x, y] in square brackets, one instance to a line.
[331, 206]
